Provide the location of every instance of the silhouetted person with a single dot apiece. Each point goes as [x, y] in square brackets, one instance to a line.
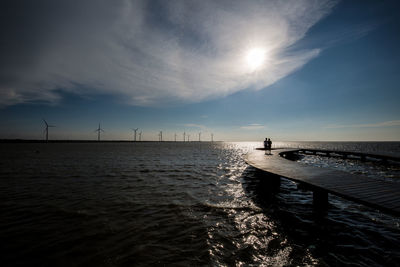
[266, 143]
[269, 145]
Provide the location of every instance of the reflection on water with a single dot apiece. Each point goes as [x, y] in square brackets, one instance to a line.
[392, 148]
[386, 171]
[173, 204]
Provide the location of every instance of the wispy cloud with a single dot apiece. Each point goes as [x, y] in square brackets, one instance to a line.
[148, 53]
[253, 126]
[368, 125]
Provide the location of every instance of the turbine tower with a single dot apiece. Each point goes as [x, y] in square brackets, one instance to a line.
[199, 137]
[212, 137]
[175, 137]
[47, 129]
[135, 130]
[140, 136]
[184, 136]
[99, 130]
[160, 136]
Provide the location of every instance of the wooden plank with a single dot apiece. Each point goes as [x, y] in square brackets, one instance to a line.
[358, 193]
[364, 187]
[376, 194]
[356, 188]
[383, 191]
[353, 184]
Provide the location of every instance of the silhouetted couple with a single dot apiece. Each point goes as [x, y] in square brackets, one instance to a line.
[267, 144]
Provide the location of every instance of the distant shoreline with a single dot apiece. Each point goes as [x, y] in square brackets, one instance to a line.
[3, 141]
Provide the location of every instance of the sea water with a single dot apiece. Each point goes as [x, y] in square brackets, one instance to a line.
[176, 203]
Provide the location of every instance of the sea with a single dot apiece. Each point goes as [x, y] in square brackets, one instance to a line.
[183, 204]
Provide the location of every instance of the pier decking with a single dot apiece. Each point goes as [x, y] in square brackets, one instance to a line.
[371, 192]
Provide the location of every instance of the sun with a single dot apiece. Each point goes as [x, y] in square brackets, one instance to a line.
[255, 58]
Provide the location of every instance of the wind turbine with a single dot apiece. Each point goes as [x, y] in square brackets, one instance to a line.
[99, 130]
[160, 136]
[135, 130]
[47, 129]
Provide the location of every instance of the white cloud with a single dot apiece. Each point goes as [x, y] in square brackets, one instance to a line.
[368, 125]
[185, 51]
[253, 126]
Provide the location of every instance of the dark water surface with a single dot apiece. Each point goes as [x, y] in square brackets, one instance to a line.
[140, 204]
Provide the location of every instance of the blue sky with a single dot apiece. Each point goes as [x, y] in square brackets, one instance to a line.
[330, 70]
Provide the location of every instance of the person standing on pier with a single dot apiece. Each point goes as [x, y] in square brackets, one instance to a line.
[269, 145]
[266, 144]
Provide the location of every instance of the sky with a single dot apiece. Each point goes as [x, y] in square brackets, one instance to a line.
[301, 70]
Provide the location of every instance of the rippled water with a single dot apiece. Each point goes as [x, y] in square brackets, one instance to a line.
[386, 171]
[123, 204]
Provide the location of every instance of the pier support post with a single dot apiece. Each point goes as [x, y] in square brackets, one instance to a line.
[320, 199]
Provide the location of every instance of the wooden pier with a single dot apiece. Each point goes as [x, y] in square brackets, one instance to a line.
[383, 195]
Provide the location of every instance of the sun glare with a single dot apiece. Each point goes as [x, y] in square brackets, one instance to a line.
[255, 58]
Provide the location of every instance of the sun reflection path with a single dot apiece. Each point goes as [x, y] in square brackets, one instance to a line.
[242, 228]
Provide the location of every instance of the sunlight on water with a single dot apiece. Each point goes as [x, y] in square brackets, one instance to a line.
[374, 169]
[257, 238]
